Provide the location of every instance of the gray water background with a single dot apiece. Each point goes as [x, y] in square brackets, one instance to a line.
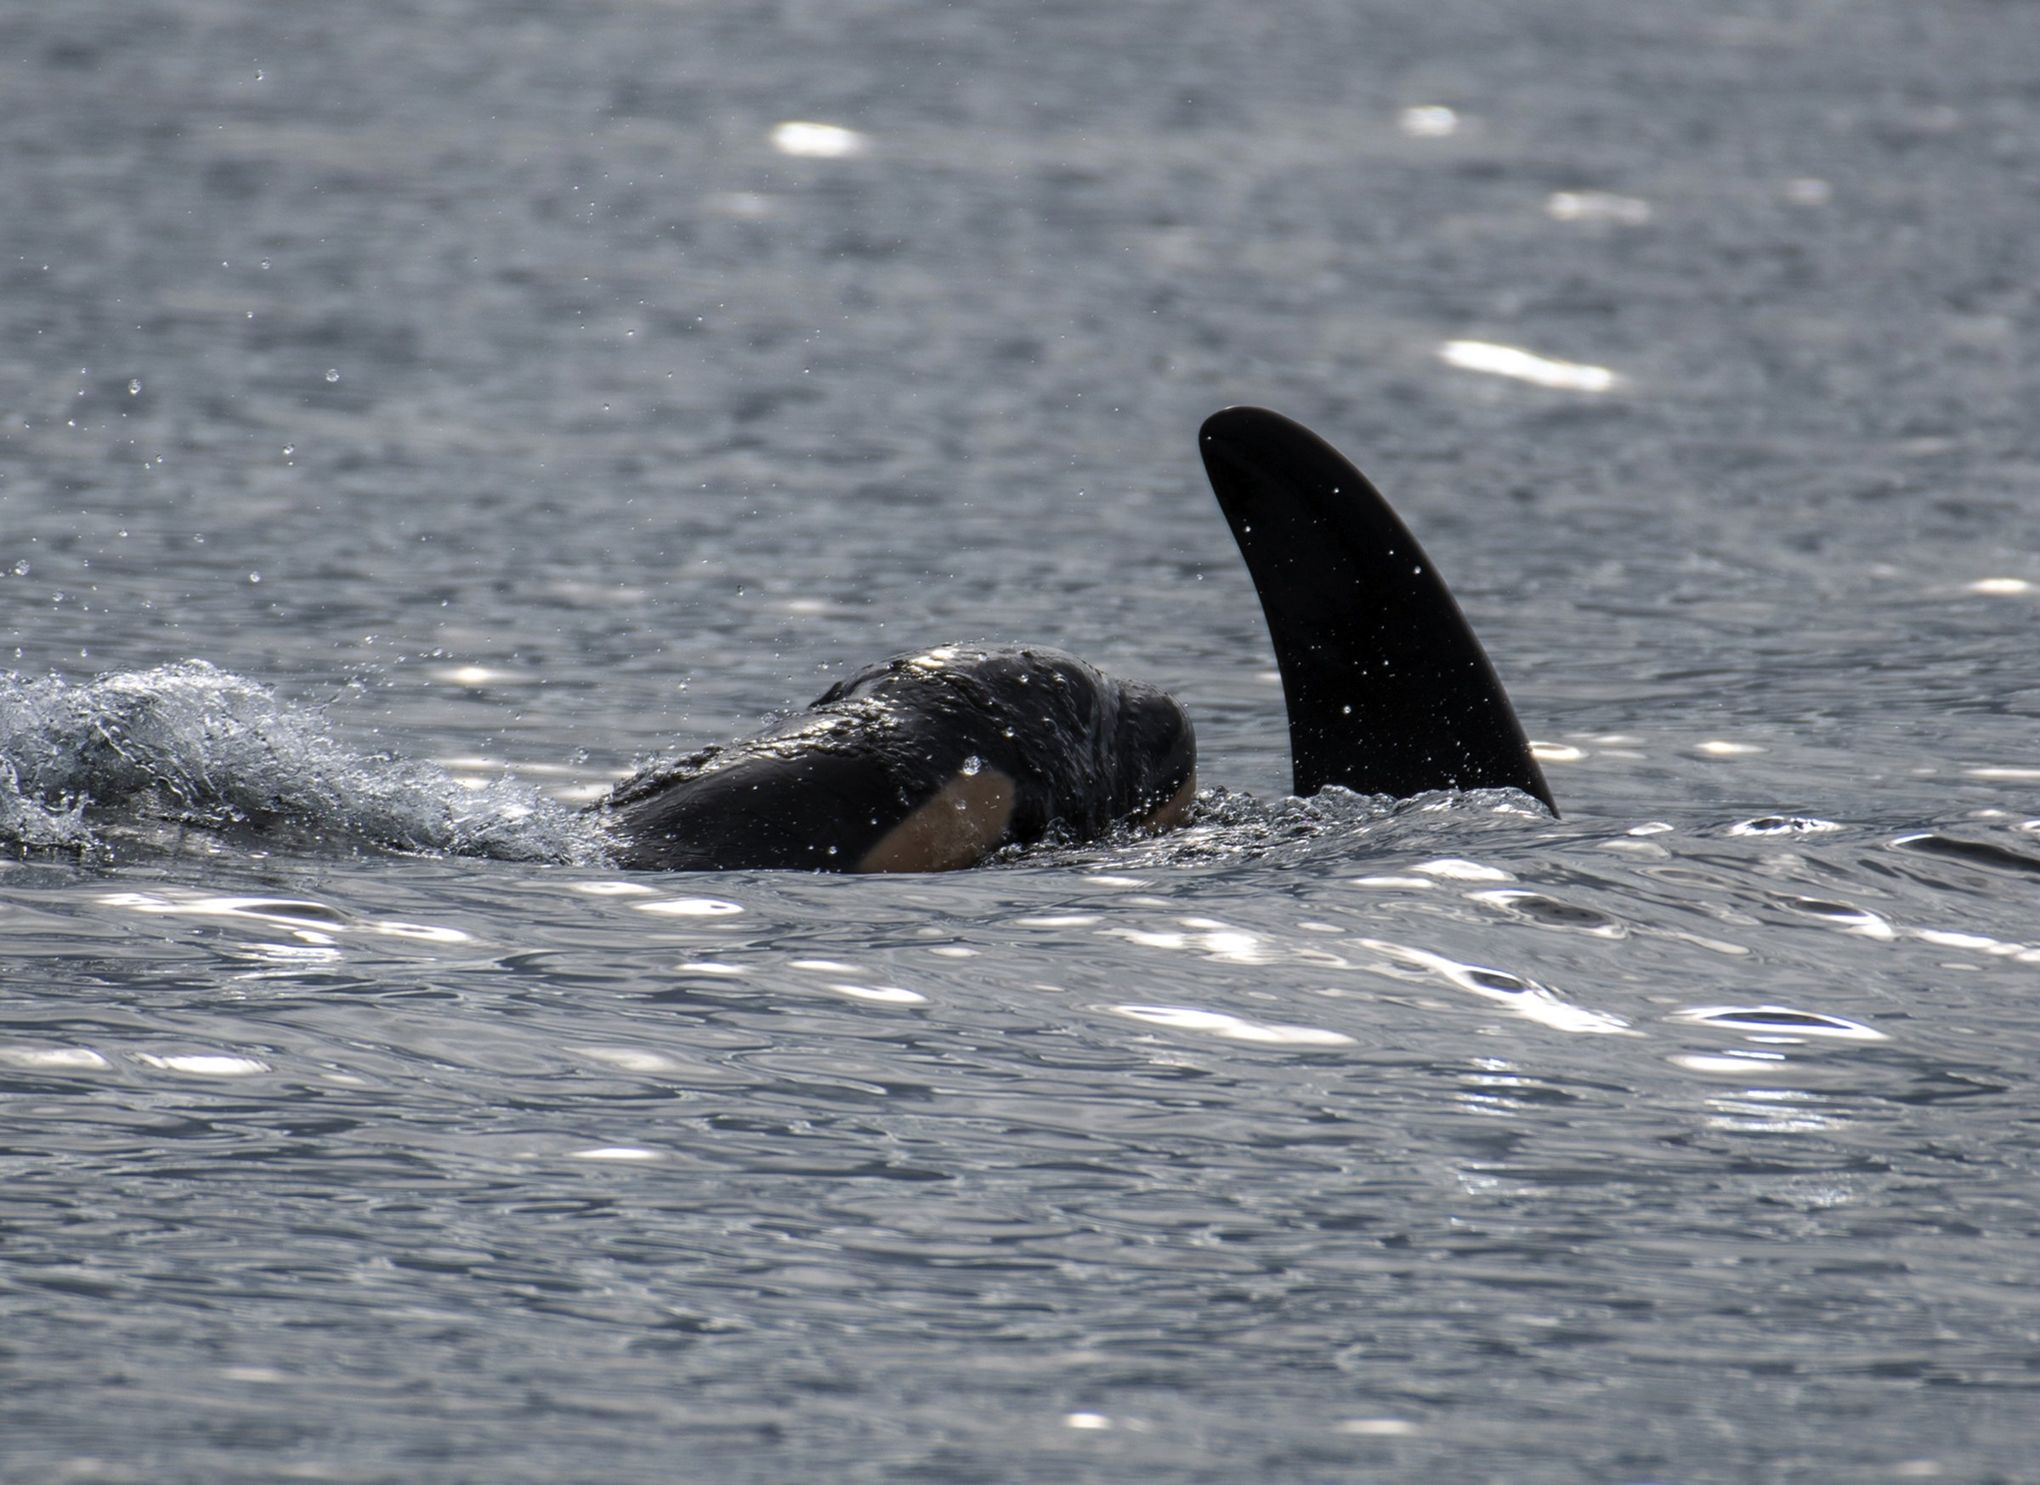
[483, 390]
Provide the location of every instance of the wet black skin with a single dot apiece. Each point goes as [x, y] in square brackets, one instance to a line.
[1026, 741]
[1388, 690]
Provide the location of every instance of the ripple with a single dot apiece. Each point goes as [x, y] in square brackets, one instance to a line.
[1981, 943]
[690, 907]
[421, 932]
[1783, 825]
[1721, 747]
[1736, 1061]
[1973, 852]
[1456, 869]
[1428, 121]
[1524, 366]
[808, 140]
[1234, 946]
[1526, 998]
[310, 922]
[1846, 915]
[1773, 1111]
[629, 1059]
[1224, 943]
[204, 1064]
[1597, 206]
[1233, 1028]
[1779, 1023]
[291, 911]
[1551, 912]
[56, 1059]
[881, 994]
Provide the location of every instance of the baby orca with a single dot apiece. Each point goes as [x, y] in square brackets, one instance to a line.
[932, 761]
[924, 762]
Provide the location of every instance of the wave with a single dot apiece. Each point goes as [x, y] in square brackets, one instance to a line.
[196, 745]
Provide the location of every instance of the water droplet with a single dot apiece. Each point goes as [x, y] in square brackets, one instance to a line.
[332, 374]
[973, 764]
[21, 568]
[254, 577]
[135, 387]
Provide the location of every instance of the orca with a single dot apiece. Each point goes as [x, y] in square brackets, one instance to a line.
[923, 762]
[934, 760]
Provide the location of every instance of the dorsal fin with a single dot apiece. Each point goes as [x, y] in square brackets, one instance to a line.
[1388, 690]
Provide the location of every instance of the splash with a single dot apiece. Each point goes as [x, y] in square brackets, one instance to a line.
[196, 745]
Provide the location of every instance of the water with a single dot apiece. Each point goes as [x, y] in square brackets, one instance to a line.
[416, 416]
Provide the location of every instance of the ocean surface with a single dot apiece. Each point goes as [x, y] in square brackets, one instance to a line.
[412, 414]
